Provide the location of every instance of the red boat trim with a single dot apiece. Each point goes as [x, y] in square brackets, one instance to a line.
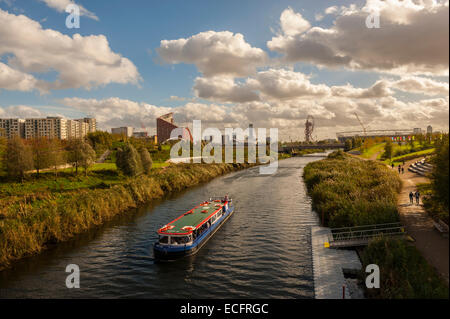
[198, 225]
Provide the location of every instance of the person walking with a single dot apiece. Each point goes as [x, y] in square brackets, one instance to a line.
[399, 168]
[403, 169]
[411, 198]
[417, 197]
[392, 165]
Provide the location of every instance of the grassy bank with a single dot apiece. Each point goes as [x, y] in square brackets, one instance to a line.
[348, 191]
[35, 215]
[404, 273]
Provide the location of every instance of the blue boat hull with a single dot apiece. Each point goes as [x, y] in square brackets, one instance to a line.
[168, 252]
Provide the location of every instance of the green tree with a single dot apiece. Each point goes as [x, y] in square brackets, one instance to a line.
[100, 140]
[80, 153]
[57, 155]
[146, 160]
[40, 147]
[128, 160]
[18, 158]
[440, 174]
[348, 145]
[388, 149]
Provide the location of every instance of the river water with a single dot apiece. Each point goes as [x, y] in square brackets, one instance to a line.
[263, 251]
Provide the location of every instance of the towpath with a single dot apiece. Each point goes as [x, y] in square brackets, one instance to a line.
[433, 246]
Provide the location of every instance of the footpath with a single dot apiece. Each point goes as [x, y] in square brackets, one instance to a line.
[419, 225]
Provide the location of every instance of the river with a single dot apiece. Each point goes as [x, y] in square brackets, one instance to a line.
[263, 251]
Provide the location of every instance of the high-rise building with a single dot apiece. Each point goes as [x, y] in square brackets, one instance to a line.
[417, 130]
[91, 124]
[51, 127]
[77, 129]
[165, 126]
[12, 127]
[429, 129]
[125, 130]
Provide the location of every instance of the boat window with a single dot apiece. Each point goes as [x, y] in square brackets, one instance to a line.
[163, 239]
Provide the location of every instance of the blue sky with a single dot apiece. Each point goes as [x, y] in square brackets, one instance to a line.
[134, 29]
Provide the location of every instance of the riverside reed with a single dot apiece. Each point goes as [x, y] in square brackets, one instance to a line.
[347, 191]
[30, 223]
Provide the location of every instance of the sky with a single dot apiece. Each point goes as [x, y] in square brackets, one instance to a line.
[229, 63]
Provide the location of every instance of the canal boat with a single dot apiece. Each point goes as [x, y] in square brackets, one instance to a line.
[185, 235]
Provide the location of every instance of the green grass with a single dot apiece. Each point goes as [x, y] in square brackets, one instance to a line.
[377, 148]
[404, 273]
[348, 191]
[399, 159]
[433, 206]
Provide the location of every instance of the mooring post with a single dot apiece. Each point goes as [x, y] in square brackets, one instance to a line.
[343, 291]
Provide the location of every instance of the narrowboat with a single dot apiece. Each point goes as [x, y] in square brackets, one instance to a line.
[185, 235]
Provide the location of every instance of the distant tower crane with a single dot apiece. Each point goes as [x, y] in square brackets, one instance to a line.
[362, 125]
[309, 128]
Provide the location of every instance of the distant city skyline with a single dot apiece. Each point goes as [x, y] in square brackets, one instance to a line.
[229, 64]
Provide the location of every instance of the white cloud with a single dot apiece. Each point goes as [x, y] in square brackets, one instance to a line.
[20, 111]
[415, 84]
[11, 79]
[61, 5]
[413, 38]
[224, 89]
[214, 53]
[80, 61]
[293, 23]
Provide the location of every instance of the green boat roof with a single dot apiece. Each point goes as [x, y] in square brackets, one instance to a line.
[194, 218]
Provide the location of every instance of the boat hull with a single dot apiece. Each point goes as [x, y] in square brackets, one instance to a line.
[170, 253]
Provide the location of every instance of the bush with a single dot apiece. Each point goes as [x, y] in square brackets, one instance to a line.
[404, 273]
[146, 160]
[348, 191]
[128, 161]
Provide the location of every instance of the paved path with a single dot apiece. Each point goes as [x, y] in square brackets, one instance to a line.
[433, 246]
[328, 265]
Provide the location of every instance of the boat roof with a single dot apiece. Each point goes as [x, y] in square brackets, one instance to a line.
[192, 219]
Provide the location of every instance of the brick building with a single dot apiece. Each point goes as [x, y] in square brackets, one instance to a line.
[165, 125]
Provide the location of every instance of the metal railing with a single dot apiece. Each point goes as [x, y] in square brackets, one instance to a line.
[364, 233]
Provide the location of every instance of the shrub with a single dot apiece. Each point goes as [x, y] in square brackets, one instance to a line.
[128, 160]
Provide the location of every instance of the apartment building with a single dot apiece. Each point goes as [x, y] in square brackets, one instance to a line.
[51, 127]
[125, 130]
[12, 127]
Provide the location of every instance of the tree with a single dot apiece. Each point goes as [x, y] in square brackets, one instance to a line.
[128, 160]
[18, 158]
[440, 174]
[146, 160]
[388, 148]
[100, 140]
[81, 154]
[41, 153]
[348, 145]
[57, 156]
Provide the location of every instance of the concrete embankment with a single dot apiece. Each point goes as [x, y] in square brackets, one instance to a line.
[329, 266]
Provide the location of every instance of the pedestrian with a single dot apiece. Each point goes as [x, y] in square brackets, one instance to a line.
[403, 170]
[411, 198]
[399, 168]
[392, 165]
[417, 198]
